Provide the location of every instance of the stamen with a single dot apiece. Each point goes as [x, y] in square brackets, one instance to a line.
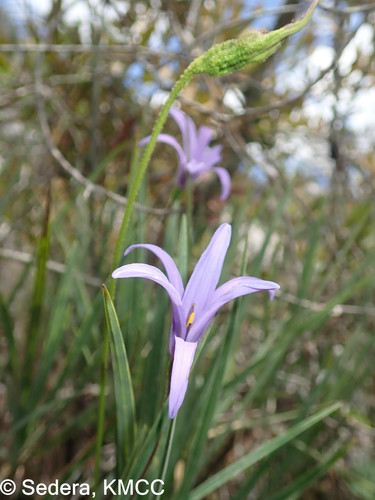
[191, 317]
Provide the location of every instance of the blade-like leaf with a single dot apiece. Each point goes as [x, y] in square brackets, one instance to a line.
[294, 490]
[263, 451]
[125, 405]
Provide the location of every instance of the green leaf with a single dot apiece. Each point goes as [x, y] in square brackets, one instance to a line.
[294, 490]
[255, 456]
[145, 446]
[54, 334]
[125, 406]
[33, 337]
[9, 336]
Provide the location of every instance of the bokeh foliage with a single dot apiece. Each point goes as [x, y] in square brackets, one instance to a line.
[259, 420]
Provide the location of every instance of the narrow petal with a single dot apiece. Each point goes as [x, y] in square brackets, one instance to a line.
[242, 286]
[206, 274]
[182, 361]
[180, 118]
[171, 141]
[167, 261]
[211, 156]
[204, 137]
[144, 141]
[154, 274]
[230, 290]
[182, 158]
[188, 131]
[225, 182]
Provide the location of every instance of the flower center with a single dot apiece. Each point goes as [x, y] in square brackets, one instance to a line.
[190, 319]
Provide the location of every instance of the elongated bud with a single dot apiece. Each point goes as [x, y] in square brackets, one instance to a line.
[255, 46]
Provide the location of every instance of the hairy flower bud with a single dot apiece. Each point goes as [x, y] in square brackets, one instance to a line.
[254, 46]
[233, 55]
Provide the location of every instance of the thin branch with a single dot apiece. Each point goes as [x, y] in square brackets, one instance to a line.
[337, 310]
[243, 22]
[348, 10]
[262, 110]
[80, 48]
[27, 89]
[193, 15]
[57, 267]
[90, 186]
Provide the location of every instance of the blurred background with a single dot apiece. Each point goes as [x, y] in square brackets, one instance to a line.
[81, 83]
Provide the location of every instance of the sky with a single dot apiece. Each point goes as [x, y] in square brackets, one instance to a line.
[357, 108]
[318, 59]
[76, 11]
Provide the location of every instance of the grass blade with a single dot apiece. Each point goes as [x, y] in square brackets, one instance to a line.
[125, 405]
[263, 451]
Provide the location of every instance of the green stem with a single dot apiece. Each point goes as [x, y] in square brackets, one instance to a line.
[184, 79]
[179, 85]
[189, 212]
[167, 456]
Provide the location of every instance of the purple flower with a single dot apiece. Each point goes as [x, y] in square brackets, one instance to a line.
[194, 307]
[196, 156]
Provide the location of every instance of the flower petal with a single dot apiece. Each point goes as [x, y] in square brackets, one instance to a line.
[171, 141]
[167, 261]
[206, 274]
[182, 158]
[188, 131]
[195, 168]
[203, 140]
[225, 182]
[154, 274]
[182, 361]
[242, 286]
[230, 290]
[211, 156]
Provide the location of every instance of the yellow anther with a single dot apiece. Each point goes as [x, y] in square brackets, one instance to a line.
[190, 318]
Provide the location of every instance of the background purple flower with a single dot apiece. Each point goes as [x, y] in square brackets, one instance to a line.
[194, 307]
[195, 157]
